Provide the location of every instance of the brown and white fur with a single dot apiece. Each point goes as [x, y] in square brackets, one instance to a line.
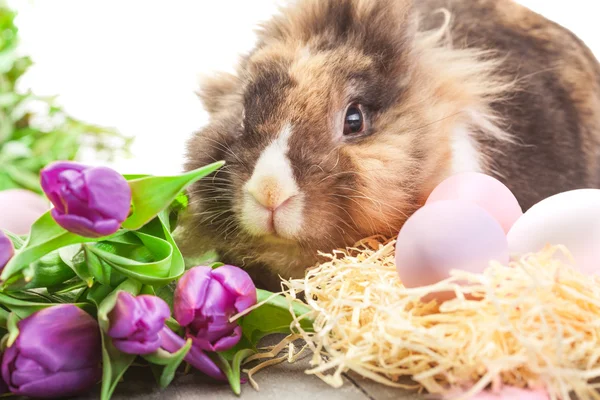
[445, 86]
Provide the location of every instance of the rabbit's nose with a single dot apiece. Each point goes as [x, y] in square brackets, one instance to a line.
[270, 193]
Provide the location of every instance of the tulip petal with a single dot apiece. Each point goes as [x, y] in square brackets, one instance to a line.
[123, 316]
[49, 176]
[239, 283]
[134, 323]
[108, 193]
[138, 347]
[61, 384]
[71, 338]
[222, 343]
[74, 184]
[219, 302]
[190, 294]
[227, 342]
[8, 360]
[213, 328]
[172, 342]
[156, 311]
[53, 180]
[26, 370]
[84, 227]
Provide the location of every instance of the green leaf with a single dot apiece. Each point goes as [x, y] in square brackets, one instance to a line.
[170, 362]
[239, 358]
[13, 328]
[19, 68]
[98, 292]
[26, 179]
[3, 318]
[233, 371]
[24, 308]
[151, 273]
[131, 177]
[74, 257]
[46, 236]
[35, 296]
[153, 194]
[114, 363]
[16, 240]
[180, 203]
[48, 271]
[167, 293]
[149, 256]
[99, 269]
[173, 325]
[273, 317]
[204, 259]
[67, 287]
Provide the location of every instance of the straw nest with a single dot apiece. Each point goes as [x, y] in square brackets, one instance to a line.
[534, 323]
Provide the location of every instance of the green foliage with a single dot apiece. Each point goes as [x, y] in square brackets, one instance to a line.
[54, 266]
[35, 131]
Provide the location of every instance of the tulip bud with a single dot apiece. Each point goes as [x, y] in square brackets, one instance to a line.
[6, 250]
[205, 300]
[135, 323]
[88, 201]
[57, 354]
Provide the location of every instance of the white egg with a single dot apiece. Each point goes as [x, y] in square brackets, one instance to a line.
[571, 219]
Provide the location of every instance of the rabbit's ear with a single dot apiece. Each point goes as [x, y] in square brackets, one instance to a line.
[219, 92]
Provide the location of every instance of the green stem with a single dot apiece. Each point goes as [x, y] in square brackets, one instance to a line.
[3, 318]
[232, 376]
[233, 372]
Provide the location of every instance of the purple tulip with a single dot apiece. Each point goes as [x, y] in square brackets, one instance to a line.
[172, 342]
[6, 250]
[88, 201]
[57, 353]
[135, 323]
[205, 300]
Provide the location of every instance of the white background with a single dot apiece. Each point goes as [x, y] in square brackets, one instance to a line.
[133, 64]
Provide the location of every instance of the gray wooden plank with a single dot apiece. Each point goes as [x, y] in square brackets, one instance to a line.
[378, 391]
[278, 382]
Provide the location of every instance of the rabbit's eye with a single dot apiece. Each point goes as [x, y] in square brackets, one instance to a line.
[354, 121]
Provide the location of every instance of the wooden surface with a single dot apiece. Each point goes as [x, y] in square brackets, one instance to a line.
[278, 382]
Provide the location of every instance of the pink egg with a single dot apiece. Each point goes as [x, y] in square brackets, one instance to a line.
[19, 209]
[512, 393]
[483, 190]
[446, 235]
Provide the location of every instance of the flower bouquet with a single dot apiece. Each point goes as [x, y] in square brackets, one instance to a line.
[99, 281]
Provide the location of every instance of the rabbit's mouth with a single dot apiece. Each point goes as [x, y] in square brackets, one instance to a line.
[282, 221]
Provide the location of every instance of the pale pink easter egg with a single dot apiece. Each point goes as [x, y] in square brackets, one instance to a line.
[512, 393]
[19, 209]
[570, 219]
[446, 235]
[483, 190]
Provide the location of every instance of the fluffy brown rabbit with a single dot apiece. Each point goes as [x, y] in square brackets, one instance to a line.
[347, 113]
